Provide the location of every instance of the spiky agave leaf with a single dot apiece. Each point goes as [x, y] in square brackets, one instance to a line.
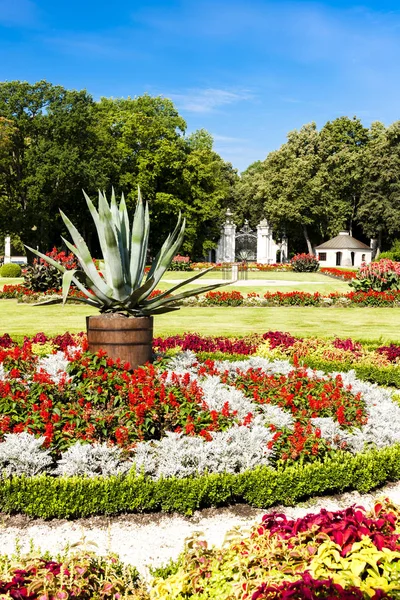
[169, 300]
[139, 242]
[124, 249]
[112, 257]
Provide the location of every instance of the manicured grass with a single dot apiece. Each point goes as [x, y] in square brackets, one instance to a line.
[10, 281]
[305, 282]
[359, 323]
[322, 288]
[274, 275]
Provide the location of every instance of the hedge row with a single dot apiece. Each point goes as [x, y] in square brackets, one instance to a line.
[388, 376]
[74, 497]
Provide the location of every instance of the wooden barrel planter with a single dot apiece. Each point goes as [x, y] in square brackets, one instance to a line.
[127, 338]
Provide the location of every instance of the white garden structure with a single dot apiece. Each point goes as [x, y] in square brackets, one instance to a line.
[343, 251]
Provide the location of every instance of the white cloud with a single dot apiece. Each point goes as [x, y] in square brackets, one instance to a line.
[209, 99]
[226, 139]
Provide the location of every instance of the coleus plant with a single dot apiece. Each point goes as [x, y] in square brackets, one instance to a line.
[123, 287]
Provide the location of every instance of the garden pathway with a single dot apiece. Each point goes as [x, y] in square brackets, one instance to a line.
[153, 539]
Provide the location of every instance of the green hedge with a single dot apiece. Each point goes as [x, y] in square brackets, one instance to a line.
[47, 497]
[389, 376]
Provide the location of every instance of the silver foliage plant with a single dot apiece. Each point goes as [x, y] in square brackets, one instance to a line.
[23, 454]
[123, 287]
[92, 460]
[233, 451]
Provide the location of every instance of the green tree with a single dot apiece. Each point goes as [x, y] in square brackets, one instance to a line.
[340, 176]
[146, 136]
[288, 188]
[55, 153]
[379, 209]
[247, 204]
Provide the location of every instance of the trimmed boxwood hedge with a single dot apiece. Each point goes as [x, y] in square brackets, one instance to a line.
[73, 497]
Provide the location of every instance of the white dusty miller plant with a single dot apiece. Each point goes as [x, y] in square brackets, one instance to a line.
[23, 454]
[92, 460]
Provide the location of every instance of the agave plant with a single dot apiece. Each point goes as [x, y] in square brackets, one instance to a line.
[123, 287]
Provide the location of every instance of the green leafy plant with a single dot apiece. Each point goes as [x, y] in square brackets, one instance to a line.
[41, 276]
[10, 270]
[123, 287]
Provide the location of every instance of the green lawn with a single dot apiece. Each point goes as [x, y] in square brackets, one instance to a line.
[360, 323]
[10, 281]
[275, 275]
[306, 282]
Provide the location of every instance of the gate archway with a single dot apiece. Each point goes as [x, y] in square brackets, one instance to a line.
[246, 244]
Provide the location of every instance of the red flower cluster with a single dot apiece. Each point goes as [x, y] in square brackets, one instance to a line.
[68, 261]
[232, 298]
[305, 398]
[279, 338]
[105, 403]
[293, 298]
[339, 273]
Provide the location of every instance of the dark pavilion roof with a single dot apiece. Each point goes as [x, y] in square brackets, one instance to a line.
[343, 242]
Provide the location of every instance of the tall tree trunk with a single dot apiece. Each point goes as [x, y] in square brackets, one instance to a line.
[353, 212]
[309, 245]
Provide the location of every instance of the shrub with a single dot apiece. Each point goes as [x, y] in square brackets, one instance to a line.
[41, 276]
[304, 263]
[23, 454]
[393, 253]
[179, 265]
[10, 270]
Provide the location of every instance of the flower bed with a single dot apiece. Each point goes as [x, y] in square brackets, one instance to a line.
[380, 276]
[295, 298]
[250, 266]
[344, 274]
[237, 298]
[343, 554]
[82, 575]
[67, 413]
[347, 554]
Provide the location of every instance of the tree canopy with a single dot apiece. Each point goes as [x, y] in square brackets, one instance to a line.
[55, 142]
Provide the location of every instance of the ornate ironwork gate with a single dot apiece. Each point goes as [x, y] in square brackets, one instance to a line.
[246, 244]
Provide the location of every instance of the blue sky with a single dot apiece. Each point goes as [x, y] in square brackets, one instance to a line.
[247, 71]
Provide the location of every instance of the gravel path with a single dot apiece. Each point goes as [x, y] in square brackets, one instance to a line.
[153, 539]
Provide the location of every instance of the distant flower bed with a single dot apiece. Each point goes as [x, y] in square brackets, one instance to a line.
[338, 273]
[295, 298]
[304, 263]
[250, 266]
[237, 298]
